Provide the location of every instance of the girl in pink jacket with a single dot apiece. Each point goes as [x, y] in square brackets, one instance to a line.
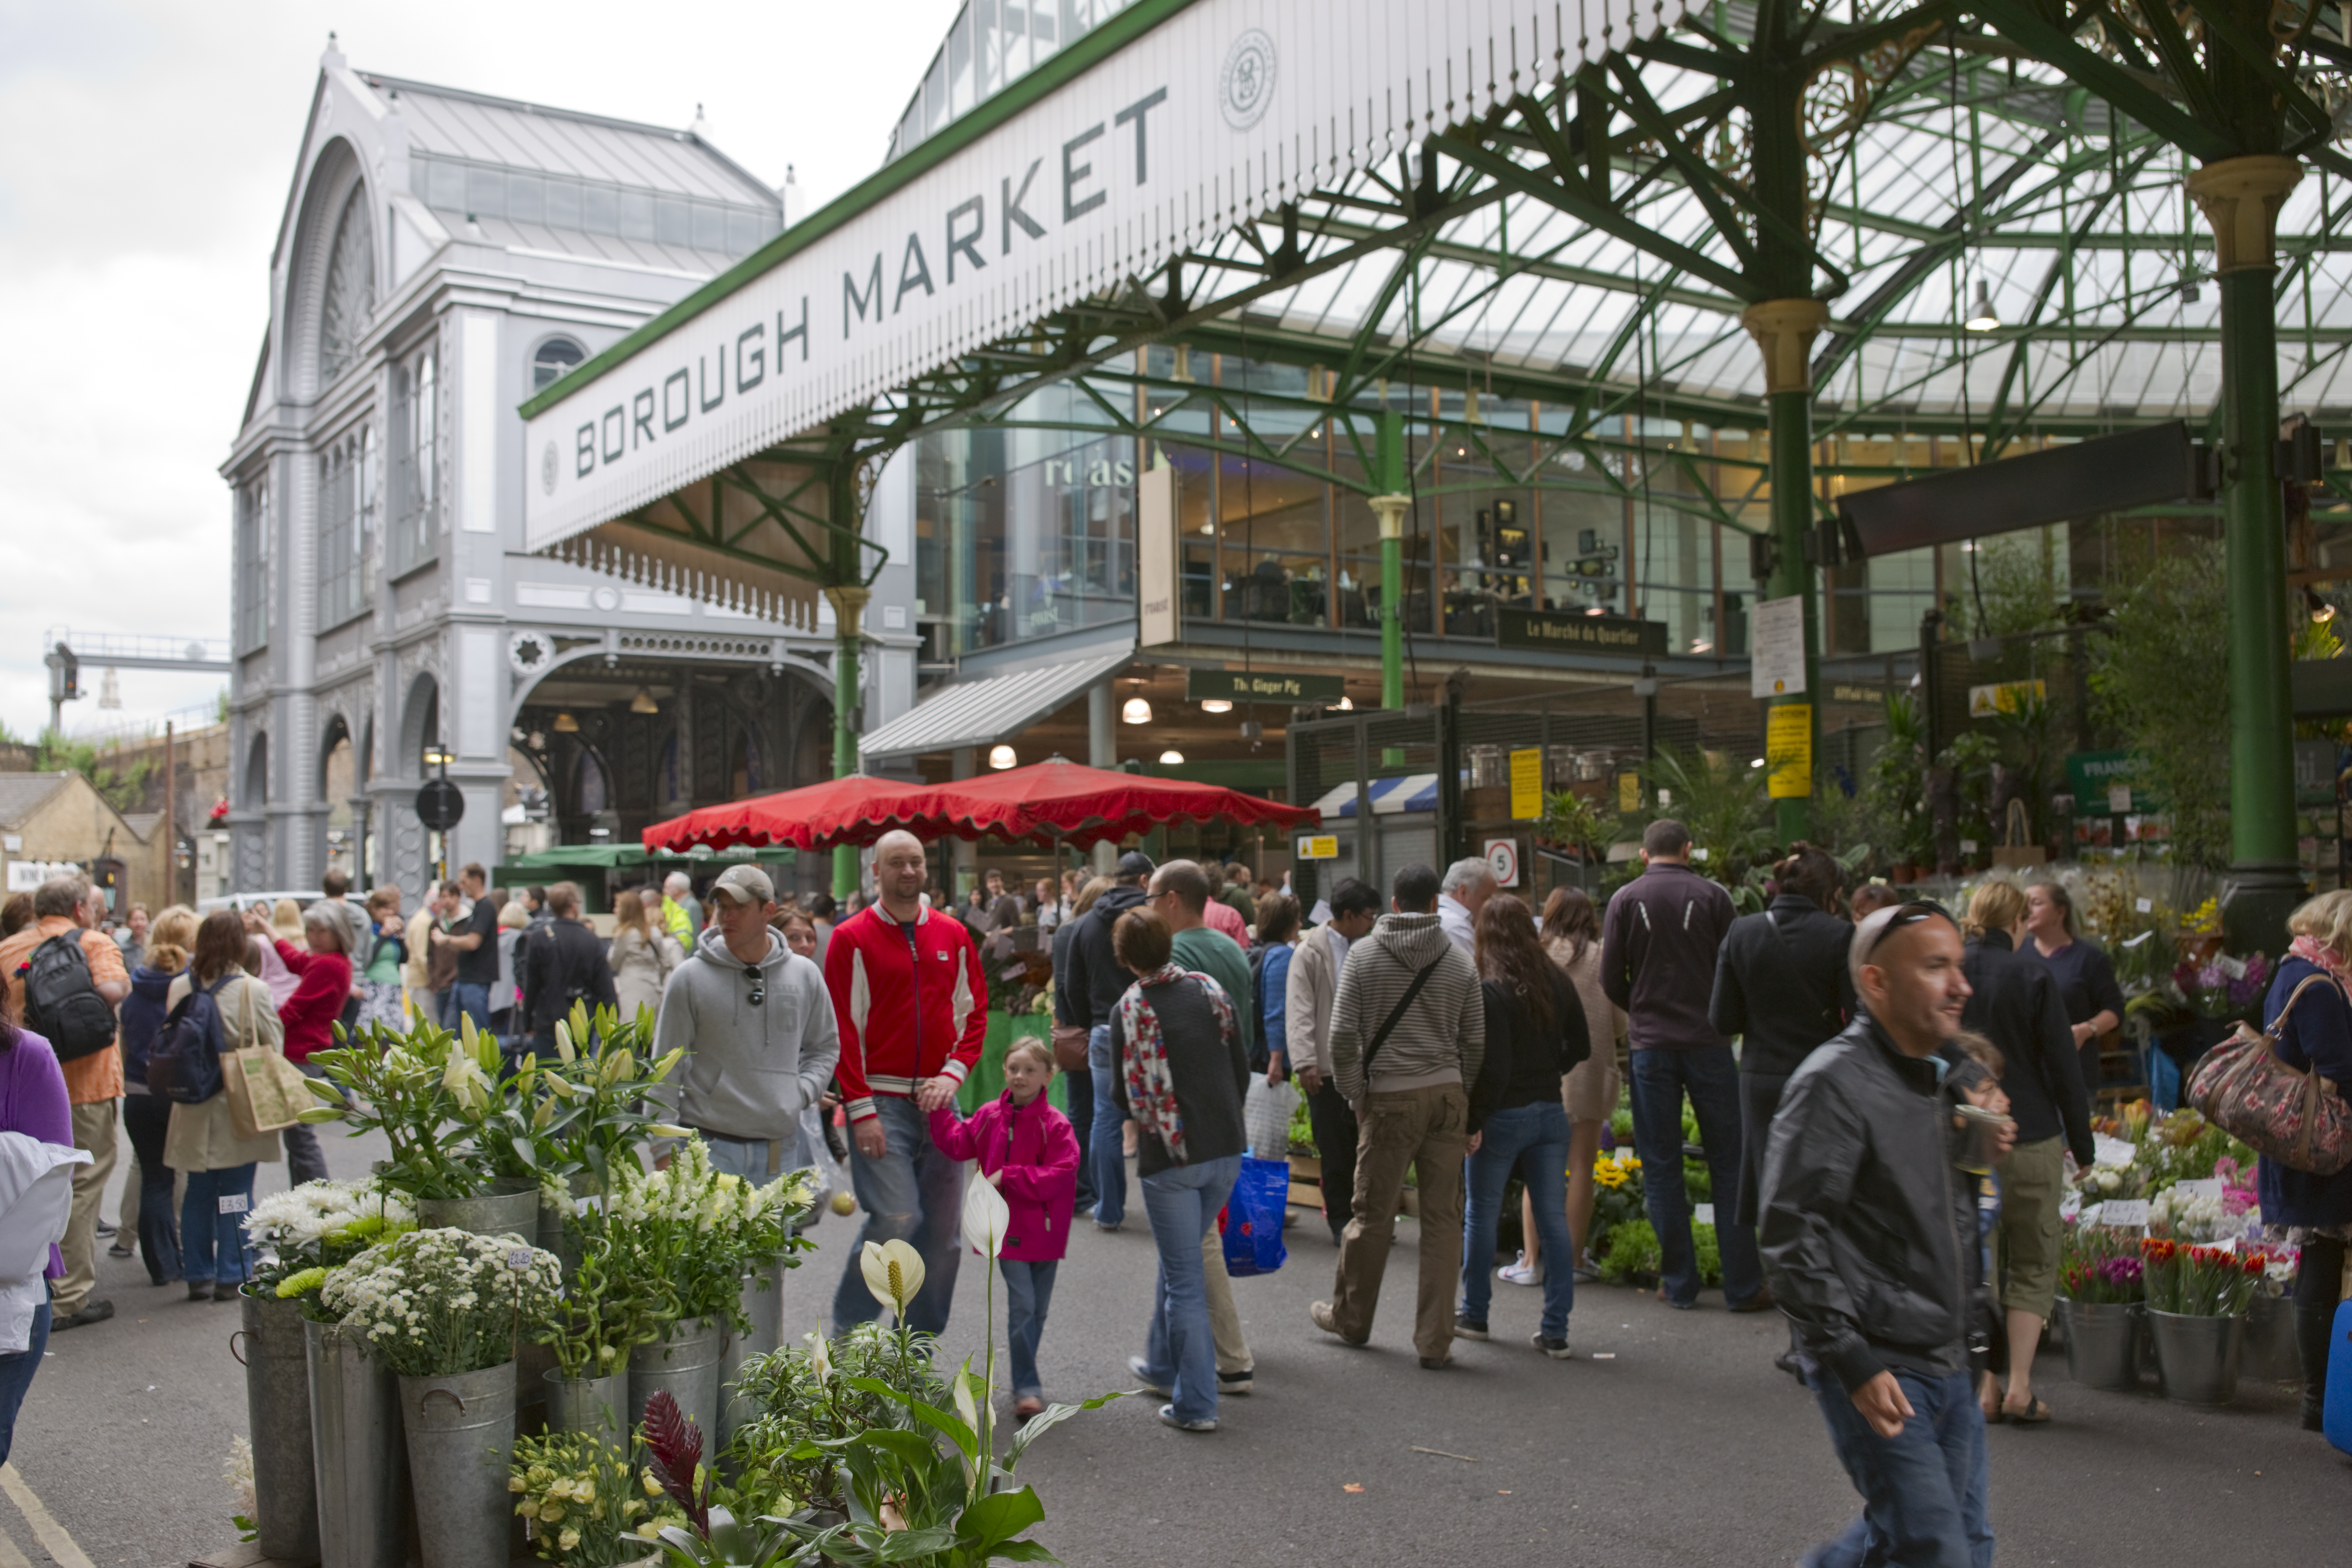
[1027, 1152]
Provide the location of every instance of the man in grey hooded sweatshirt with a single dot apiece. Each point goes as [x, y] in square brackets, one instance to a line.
[758, 1029]
[1408, 1032]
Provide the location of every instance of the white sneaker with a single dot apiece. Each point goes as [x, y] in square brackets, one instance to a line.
[1521, 1272]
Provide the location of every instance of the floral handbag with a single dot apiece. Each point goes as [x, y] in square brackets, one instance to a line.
[2288, 1114]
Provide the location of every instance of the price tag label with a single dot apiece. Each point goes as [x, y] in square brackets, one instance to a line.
[2235, 968]
[2089, 1216]
[1703, 1214]
[2119, 800]
[1967, 845]
[519, 1258]
[2125, 1212]
[238, 1203]
[2109, 1151]
[1623, 1155]
[2145, 906]
[2210, 1187]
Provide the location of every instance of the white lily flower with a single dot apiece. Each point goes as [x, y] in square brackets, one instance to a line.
[894, 1273]
[986, 1218]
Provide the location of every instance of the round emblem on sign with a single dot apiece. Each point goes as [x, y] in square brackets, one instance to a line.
[528, 652]
[1246, 84]
[547, 470]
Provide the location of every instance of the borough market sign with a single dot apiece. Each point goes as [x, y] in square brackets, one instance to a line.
[1201, 116]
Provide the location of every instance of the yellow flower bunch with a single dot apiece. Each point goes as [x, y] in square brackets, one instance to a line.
[573, 1489]
[1608, 1173]
[2205, 920]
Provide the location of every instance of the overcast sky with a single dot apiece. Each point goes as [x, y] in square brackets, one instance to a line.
[147, 151]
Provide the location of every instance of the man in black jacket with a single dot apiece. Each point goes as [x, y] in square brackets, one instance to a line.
[566, 962]
[1658, 946]
[1869, 1237]
[2017, 1005]
[1090, 984]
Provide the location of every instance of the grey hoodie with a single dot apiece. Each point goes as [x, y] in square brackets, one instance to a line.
[1441, 1038]
[748, 1070]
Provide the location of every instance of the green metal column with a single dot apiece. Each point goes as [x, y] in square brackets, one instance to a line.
[2241, 198]
[1784, 329]
[849, 598]
[1390, 507]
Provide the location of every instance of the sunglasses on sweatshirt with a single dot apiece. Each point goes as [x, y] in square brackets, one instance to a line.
[758, 988]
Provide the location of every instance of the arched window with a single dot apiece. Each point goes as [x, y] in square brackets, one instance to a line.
[555, 356]
[348, 299]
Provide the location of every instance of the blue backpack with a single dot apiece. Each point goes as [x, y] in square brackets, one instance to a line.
[183, 1064]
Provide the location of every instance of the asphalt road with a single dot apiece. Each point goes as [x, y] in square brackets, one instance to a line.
[1669, 1439]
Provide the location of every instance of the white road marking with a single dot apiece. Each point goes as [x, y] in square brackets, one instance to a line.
[52, 1535]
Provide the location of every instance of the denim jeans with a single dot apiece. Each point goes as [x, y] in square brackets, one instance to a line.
[1923, 1492]
[1028, 1293]
[913, 1193]
[1538, 1131]
[1181, 1351]
[1079, 1094]
[470, 998]
[211, 1242]
[747, 1158]
[146, 1118]
[1661, 1077]
[1109, 1139]
[17, 1372]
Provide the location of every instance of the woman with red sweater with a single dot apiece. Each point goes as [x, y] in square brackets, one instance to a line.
[322, 975]
[1028, 1152]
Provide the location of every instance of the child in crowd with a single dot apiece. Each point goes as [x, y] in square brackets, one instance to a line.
[1988, 1346]
[1028, 1152]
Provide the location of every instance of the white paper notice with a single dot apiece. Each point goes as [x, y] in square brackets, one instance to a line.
[2123, 1211]
[1776, 641]
[2210, 1187]
[1703, 1214]
[2109, 1151]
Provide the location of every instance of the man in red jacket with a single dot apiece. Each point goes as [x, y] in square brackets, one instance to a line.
[912, 1004]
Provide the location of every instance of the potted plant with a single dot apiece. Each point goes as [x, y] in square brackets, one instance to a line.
[442, 1310]
[350, 1422]
[2099, 1295]
[2197, 1300]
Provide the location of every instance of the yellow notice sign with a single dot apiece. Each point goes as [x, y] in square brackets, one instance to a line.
[1789, 750]
[1323, 847]
[1527, 785]
[1628, 792]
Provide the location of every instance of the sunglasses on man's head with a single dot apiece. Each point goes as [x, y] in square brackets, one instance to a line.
[1909, 914]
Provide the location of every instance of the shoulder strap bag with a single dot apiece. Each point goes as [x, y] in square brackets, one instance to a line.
[266, 1093]
[2289, 1114]
[1396, 1013]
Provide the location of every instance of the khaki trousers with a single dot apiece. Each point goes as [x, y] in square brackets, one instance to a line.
[1428, 1130]
[93, 1129]
[1225, 1322]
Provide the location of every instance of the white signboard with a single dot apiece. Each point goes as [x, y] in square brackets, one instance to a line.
[1776, 633]
[1217, 115]
[27, 876]
[1503, 859]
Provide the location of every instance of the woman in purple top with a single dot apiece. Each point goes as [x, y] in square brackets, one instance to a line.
[2086, 980]
[32, 1102]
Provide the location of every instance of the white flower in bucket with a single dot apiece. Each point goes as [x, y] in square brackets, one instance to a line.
[893, 1272]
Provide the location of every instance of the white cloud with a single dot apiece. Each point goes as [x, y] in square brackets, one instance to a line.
[151, 149]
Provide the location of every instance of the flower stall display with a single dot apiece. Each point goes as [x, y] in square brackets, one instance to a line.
[435, 1303]
[303, 1234]
[578, 1498]
[2100, 1266]
[2197, 1302]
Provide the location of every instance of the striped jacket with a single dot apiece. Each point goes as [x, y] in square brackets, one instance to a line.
[1442, 1037]
[911, 1004]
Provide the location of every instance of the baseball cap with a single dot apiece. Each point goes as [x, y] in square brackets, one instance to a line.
[744, 885]
[1136, 863]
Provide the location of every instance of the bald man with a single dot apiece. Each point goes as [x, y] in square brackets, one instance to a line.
[912, 1002]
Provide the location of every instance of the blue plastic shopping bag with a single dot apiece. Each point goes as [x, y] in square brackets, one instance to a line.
[1253, 1217]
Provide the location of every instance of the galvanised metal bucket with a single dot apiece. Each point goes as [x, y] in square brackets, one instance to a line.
[366, 1512]
[510, 1208]
[591, 1405]
[763, 1304]
[2102, 1344]
[277, 1408]
[460, 1434]
[2270, 1353]
[686, 1362]
[2199, 1356]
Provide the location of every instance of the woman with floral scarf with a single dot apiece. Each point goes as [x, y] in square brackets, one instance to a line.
[1182, 1072]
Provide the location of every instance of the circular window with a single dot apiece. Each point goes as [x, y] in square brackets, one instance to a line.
[555, 356]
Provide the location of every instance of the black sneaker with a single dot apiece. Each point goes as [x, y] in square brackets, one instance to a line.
[1556, 1349]
[95, 1312]
[1436, 1362]
[1468, 1328]
[1237, 1381]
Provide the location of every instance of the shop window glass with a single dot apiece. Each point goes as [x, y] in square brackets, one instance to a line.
[254, 565]
[415, 487]
[673, 221]
[555, 356]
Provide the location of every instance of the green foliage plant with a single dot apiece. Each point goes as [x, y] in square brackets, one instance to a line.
[2160, 681]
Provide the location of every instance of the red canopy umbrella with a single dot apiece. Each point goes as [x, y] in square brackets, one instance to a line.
[1052, 801]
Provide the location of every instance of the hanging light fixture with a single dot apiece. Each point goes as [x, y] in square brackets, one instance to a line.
[1172, 758]
[1347, 703]
[1981, 314]
[2321, 610]
[566, 724]
[643, 702]
[1003, 757]
[1136, 711]
[1216, 705]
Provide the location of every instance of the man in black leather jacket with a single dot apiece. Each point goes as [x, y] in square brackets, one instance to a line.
[1869, 1238]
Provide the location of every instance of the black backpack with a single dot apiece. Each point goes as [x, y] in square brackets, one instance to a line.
[61, 1001]
[183, 1064]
